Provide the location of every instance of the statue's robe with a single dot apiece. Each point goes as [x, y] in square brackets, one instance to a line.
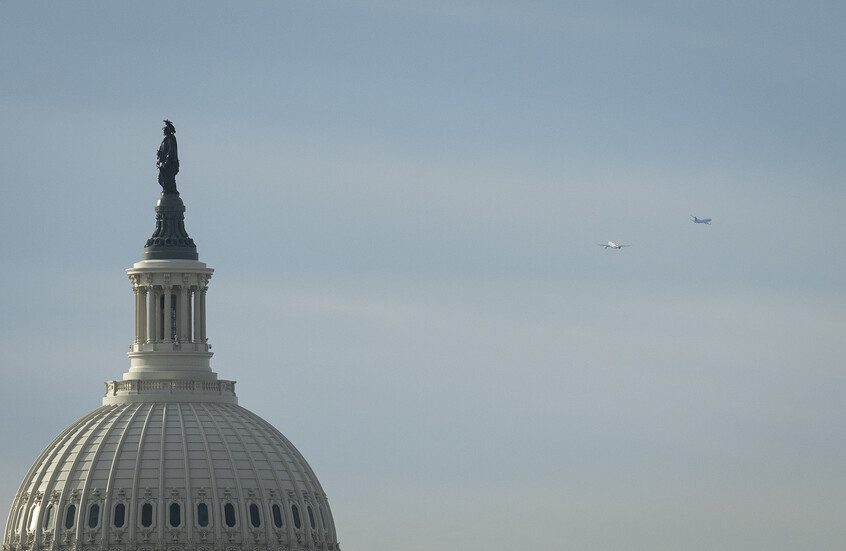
[168, 164]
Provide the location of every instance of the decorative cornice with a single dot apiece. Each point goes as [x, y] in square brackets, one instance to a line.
[199, 390]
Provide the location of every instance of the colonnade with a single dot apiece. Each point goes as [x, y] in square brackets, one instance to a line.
[170, 313]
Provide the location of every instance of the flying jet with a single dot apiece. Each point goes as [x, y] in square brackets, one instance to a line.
[700, 220]
[612, 245]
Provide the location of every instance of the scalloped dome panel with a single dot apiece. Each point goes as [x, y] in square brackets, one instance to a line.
[180, 475]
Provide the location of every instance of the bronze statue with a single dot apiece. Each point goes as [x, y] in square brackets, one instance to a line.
[168, 160]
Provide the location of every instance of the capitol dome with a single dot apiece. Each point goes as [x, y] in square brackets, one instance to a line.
[170, 461]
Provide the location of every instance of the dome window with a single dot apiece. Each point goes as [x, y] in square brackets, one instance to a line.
[229, 515]
[49, 518]
[276, 512]
[70, 516]
[202, 515]
[311, 517]
[93, 516]
[119, 516]
[255, 517]
[147, 515]
[33, 518]
[296, 512]
[175, 515]
[322, 518]
[21, 518]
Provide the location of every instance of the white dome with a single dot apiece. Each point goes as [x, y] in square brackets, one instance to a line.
[170, 462]
[176, 475]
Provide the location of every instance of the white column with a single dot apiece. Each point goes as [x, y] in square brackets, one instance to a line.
[135, 307]
[139, 305]
[203, 314]
[166, 316]
[183, 314]
[142, 315]
[197, 314]
[152, 309]
[189, 314]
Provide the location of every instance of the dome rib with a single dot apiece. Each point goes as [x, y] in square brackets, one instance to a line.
[189, 516]
[258, 479]
[292, 468]
[160, 511]
[103, 430]
[81, 448]
[110, 482]
[267, 498]
[304, 471]
[61, 446]
[211, 469]
[46, 463]
[136, 476]
[234, 467]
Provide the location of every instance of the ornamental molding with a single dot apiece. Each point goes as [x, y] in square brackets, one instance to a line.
[134, 387]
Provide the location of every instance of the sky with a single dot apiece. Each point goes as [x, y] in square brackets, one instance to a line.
[403, 202]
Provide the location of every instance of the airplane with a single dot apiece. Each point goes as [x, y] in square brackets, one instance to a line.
[700, 220]
[612, 245]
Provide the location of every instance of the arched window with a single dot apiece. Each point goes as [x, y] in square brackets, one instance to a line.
[255, 517]
[147, 515]
[49, 518]
[276, 511]
[322, 518]
[310, 517]
[175, 515]
[93, 516]
[203, 515]
[229, 515]
[119, 516]
[70, 516]
[296, 513]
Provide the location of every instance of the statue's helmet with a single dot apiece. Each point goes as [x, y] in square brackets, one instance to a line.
[169, 126]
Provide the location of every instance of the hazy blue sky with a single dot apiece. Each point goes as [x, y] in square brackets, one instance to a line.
[402, 202]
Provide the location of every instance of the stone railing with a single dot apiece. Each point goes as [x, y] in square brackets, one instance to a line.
[178, 388]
